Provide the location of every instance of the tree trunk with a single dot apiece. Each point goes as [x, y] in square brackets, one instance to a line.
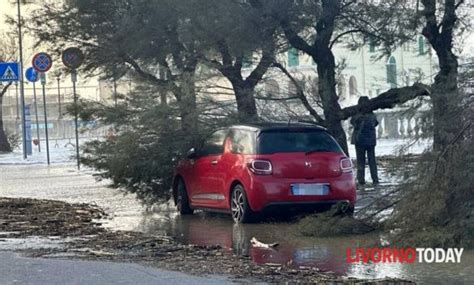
[445, 96]
[446, 101]
[327, 91]
[188, 106]
[4, 145]
[246, 106]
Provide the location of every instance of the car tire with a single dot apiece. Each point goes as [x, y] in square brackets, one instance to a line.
[239, 206]
[182, 200]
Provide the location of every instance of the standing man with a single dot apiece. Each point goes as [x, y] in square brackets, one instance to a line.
[364, 139]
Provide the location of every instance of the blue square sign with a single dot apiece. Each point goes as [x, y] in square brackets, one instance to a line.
[9, 71]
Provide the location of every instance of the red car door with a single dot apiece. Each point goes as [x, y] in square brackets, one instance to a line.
[206, 192]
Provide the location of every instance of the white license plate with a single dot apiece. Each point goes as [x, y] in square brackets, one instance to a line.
[317, 189]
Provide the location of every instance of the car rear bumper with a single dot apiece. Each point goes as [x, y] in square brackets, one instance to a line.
[266, 193]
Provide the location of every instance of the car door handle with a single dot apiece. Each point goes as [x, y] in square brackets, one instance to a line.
[214, 162]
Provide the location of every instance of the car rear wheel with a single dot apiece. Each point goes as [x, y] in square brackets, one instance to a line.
[241, 212]
[182, 201]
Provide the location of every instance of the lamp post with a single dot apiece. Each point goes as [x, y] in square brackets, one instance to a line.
[22, 87]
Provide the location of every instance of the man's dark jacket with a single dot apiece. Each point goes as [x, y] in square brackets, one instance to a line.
[364, 130]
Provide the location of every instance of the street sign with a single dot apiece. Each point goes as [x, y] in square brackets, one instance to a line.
[31, 74]
[42, 62]
[9, 71]
[72, 57]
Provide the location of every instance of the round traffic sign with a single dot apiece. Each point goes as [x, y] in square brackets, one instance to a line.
[42, 62]
[72, 57]
[31, 74]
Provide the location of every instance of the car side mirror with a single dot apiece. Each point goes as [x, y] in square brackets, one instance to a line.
[192, 153]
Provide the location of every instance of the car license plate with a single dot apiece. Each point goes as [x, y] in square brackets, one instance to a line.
[318, 189]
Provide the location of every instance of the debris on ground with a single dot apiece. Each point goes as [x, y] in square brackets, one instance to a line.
[256, 243]
[80, 226]
[334, 222]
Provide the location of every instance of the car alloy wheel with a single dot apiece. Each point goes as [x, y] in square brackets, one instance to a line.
[241, 212]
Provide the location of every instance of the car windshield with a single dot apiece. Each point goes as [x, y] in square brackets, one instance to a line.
[307, 141]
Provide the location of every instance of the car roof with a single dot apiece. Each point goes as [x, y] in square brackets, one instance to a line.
[265, 126]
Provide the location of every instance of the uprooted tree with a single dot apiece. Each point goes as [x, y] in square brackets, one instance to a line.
[141, 39]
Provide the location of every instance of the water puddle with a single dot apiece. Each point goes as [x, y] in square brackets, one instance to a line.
[326, 254]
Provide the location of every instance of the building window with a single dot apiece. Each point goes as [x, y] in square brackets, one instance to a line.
[352, 86]
[272, 88]
[421, 45]
[293, 59]
[392, 72]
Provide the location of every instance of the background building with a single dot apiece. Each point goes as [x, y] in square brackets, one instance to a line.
[59, 92]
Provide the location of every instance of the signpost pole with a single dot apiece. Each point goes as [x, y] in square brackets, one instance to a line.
[74, 79]
[59, 97]
[36, 114]
[72, 58]
[22, 87]
[43, 83]
[42, 62]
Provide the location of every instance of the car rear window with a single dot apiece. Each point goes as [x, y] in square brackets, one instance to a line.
[273, 141]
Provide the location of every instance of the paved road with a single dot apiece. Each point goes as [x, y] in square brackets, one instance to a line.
[15, 269]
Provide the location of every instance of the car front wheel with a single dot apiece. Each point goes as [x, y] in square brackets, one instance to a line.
[182, 200]
[241, 212]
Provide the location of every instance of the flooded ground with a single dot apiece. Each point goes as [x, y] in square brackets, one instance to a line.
[64, 183]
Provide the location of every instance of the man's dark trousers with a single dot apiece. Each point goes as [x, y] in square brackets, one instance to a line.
[360, 153]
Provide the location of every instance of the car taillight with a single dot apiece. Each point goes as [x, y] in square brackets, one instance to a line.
[260, 167]
[346, 165]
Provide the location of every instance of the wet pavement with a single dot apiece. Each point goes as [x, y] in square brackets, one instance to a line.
[63, 182]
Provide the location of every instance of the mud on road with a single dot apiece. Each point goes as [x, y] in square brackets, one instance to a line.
[86, 239]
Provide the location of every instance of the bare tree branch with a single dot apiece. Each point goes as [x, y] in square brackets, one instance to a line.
[5, 88]
[300, 94]
[343, 34]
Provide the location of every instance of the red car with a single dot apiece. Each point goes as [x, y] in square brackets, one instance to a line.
[246, 169]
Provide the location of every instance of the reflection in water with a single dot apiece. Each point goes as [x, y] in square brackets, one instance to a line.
[328, 254]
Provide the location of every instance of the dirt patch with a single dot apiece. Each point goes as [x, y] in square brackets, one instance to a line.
[88, 240]
[27, 217]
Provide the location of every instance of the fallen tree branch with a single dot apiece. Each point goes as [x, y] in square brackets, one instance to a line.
[387, 99]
